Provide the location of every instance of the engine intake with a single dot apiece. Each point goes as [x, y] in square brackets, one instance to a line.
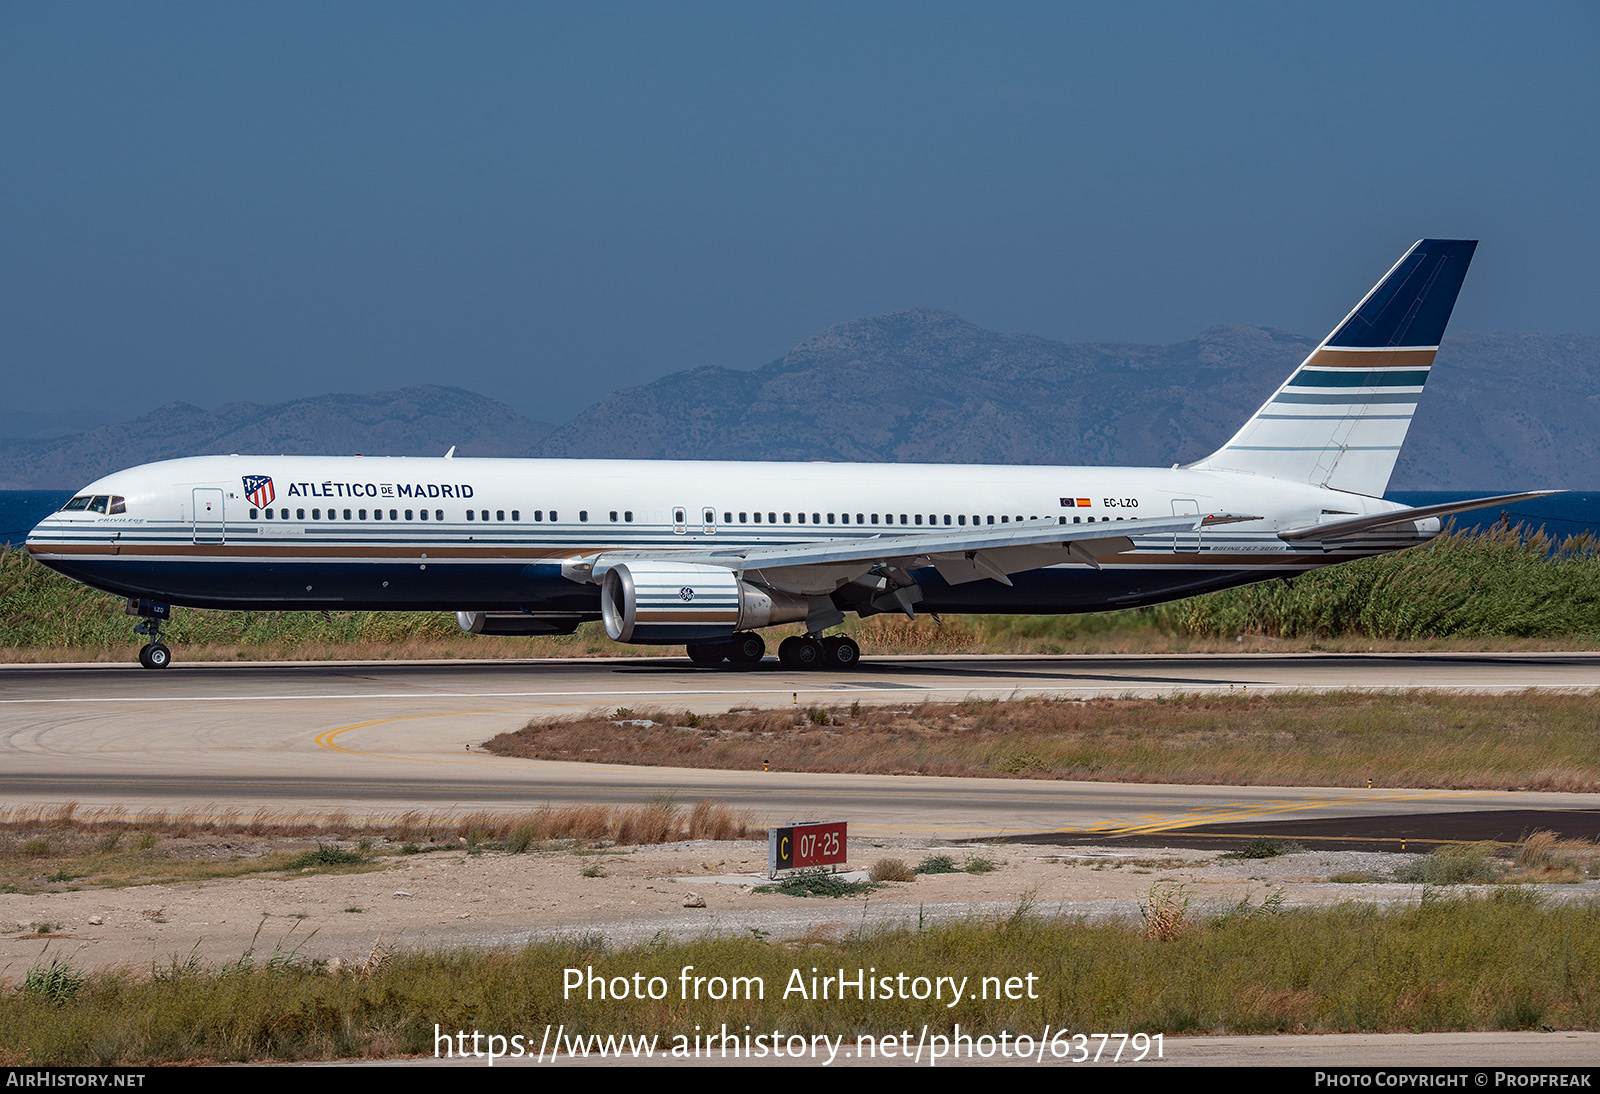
[664, 603]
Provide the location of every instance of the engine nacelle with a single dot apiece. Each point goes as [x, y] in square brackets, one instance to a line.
[508, 623]
[667, 603]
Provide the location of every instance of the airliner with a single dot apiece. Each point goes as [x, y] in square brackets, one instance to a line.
[709, 554]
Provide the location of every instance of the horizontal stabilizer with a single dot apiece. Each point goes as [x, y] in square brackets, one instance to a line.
[1336, 528]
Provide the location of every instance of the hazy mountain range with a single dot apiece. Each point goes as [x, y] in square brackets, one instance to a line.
[1500, 411]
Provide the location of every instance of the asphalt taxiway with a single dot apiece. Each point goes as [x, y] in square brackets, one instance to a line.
[381, 738]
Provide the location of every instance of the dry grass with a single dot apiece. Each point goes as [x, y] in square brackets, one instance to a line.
[1545, 857]
[891, 869]
[68, 848]
[1164, 914]
[1533, 740]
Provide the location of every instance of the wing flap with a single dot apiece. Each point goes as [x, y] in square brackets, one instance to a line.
[968, 553]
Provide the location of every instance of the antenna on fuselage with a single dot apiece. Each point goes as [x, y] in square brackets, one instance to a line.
[450, 455]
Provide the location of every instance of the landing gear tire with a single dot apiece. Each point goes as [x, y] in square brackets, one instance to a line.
[746, 648]
[708, 653]
[797, 652]
[155, 656]
[841, 653]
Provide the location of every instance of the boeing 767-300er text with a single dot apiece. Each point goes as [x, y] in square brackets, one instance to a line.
[707, 554]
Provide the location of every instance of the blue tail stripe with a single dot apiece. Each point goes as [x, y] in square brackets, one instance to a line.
[1413, 304]
[1344, 378]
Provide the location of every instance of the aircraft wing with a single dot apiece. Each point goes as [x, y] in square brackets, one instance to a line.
[960, 554]
[1335, 528]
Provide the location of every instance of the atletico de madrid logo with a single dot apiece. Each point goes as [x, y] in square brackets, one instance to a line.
[259, 488]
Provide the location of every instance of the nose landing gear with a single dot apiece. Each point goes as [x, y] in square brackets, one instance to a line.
[154, 654]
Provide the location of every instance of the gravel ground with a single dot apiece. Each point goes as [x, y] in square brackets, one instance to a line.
[448, 899]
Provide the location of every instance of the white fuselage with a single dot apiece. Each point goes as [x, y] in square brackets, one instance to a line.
[402, 533]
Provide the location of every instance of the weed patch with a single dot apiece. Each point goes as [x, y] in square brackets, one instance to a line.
[817, 882]
[58, 982]
[1456, 864]
[1261, 847]
[324, 856]
[891, 869]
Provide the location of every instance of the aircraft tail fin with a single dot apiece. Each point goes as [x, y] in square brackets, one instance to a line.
[1339, 420]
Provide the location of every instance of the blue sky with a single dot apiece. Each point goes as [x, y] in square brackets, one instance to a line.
[544, 202]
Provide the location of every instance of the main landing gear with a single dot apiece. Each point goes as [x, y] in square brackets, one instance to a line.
[796, 652]
[154, 654]
[806, 652]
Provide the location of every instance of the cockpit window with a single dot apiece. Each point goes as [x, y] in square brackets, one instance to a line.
[96, 503]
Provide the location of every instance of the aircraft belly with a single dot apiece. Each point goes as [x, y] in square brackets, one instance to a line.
[303, 586]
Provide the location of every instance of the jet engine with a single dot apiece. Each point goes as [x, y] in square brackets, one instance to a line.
[665, 603]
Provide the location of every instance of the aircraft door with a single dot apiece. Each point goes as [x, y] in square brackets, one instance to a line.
[1185, 541]
[680, 521]
[709, 519]
[210, 518]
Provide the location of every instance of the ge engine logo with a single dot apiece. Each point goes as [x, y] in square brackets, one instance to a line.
[686, 593]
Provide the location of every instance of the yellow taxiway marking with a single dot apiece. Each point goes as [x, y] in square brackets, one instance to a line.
[1239, 812]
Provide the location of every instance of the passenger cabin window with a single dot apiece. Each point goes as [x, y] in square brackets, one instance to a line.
[438, 514]
[469, 514]
[516, 514]
[499, 514]
[583, 515]
[424, 513]
[300, 514]
[613, 516]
